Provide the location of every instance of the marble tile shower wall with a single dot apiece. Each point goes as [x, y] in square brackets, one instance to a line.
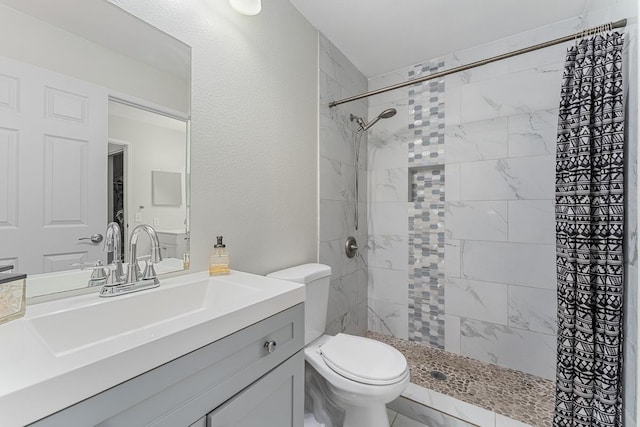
[388, 196]
[499, 163]
[338, 78]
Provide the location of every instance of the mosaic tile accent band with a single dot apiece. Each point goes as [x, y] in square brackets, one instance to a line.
[426, 208]
[426, 256]
[426, 108]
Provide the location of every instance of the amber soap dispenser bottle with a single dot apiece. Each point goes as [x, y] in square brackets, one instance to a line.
[219, 260]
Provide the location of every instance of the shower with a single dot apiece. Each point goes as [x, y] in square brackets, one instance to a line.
[389, 112]
[357, 137]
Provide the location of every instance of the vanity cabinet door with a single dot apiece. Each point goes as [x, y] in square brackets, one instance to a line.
[186, 389]
[275, 400]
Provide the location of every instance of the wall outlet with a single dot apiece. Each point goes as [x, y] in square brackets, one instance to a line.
[138, 217]
[156, 222]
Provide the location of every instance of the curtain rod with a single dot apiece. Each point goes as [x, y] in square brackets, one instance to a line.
[606, 27]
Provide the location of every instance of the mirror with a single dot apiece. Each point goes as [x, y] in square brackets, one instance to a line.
[94, 116]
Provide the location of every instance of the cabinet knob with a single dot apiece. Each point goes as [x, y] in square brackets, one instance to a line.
[270, 346]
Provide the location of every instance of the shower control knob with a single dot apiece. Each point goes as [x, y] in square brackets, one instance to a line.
[351, 247]
[270, 346]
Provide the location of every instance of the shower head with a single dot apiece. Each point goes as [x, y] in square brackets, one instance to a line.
[389, 112]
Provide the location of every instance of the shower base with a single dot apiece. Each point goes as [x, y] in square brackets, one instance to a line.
[505, 392]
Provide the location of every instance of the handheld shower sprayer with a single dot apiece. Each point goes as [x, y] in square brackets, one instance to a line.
[389, 112]
[357, 136]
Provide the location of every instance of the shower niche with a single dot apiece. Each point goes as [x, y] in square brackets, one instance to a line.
[426, 184]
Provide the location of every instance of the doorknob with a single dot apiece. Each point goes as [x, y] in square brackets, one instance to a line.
[95, 238]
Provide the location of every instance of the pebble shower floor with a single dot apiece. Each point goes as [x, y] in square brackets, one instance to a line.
[523, 397]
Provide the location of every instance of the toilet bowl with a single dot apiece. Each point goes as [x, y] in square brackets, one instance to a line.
[360, 381]
[362, 375]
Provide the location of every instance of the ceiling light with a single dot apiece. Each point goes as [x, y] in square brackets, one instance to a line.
[246, 7]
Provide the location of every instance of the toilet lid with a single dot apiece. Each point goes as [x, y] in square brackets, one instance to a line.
[364, 360]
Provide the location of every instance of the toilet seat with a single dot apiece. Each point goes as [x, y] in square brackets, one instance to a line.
[364, 360]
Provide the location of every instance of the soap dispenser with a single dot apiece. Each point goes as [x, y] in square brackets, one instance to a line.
[219, 260]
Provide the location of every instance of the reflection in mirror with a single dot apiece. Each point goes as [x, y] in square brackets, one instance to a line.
[86, 115]
[166, 188]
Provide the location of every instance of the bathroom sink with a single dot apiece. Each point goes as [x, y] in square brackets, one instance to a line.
[86, 344]
[141, 313]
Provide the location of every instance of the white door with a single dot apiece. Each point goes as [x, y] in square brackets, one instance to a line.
[53, 161]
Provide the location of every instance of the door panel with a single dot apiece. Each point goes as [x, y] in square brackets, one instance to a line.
[8, 178]
[56, 127]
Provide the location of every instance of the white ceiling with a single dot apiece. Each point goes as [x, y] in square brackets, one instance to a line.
[379, 36]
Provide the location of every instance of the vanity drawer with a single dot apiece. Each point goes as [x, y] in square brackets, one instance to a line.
[180, 392]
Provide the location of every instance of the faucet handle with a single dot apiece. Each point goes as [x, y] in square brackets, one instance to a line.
[99, 274]
[149, 272]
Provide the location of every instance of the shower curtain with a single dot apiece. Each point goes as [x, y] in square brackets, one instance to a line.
[589, 232]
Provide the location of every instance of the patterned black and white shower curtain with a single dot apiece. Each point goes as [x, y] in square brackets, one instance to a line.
[589, 235]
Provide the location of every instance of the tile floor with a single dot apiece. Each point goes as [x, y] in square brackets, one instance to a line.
[506, 392]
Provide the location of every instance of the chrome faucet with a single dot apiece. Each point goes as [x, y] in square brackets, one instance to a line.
[134, 280]
[133, 272]
[113, 245]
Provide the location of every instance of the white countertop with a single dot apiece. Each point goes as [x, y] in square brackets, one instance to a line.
[38, 379]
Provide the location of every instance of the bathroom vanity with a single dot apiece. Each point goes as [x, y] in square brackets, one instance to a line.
[197, 351]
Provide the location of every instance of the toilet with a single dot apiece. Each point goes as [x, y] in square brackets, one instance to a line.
[362, 375]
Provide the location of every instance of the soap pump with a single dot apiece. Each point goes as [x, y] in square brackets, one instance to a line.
[219, 260]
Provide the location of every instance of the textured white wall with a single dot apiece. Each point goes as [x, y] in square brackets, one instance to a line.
[254, 151]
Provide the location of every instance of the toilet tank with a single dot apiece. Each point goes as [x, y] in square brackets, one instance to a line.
[316, 278]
